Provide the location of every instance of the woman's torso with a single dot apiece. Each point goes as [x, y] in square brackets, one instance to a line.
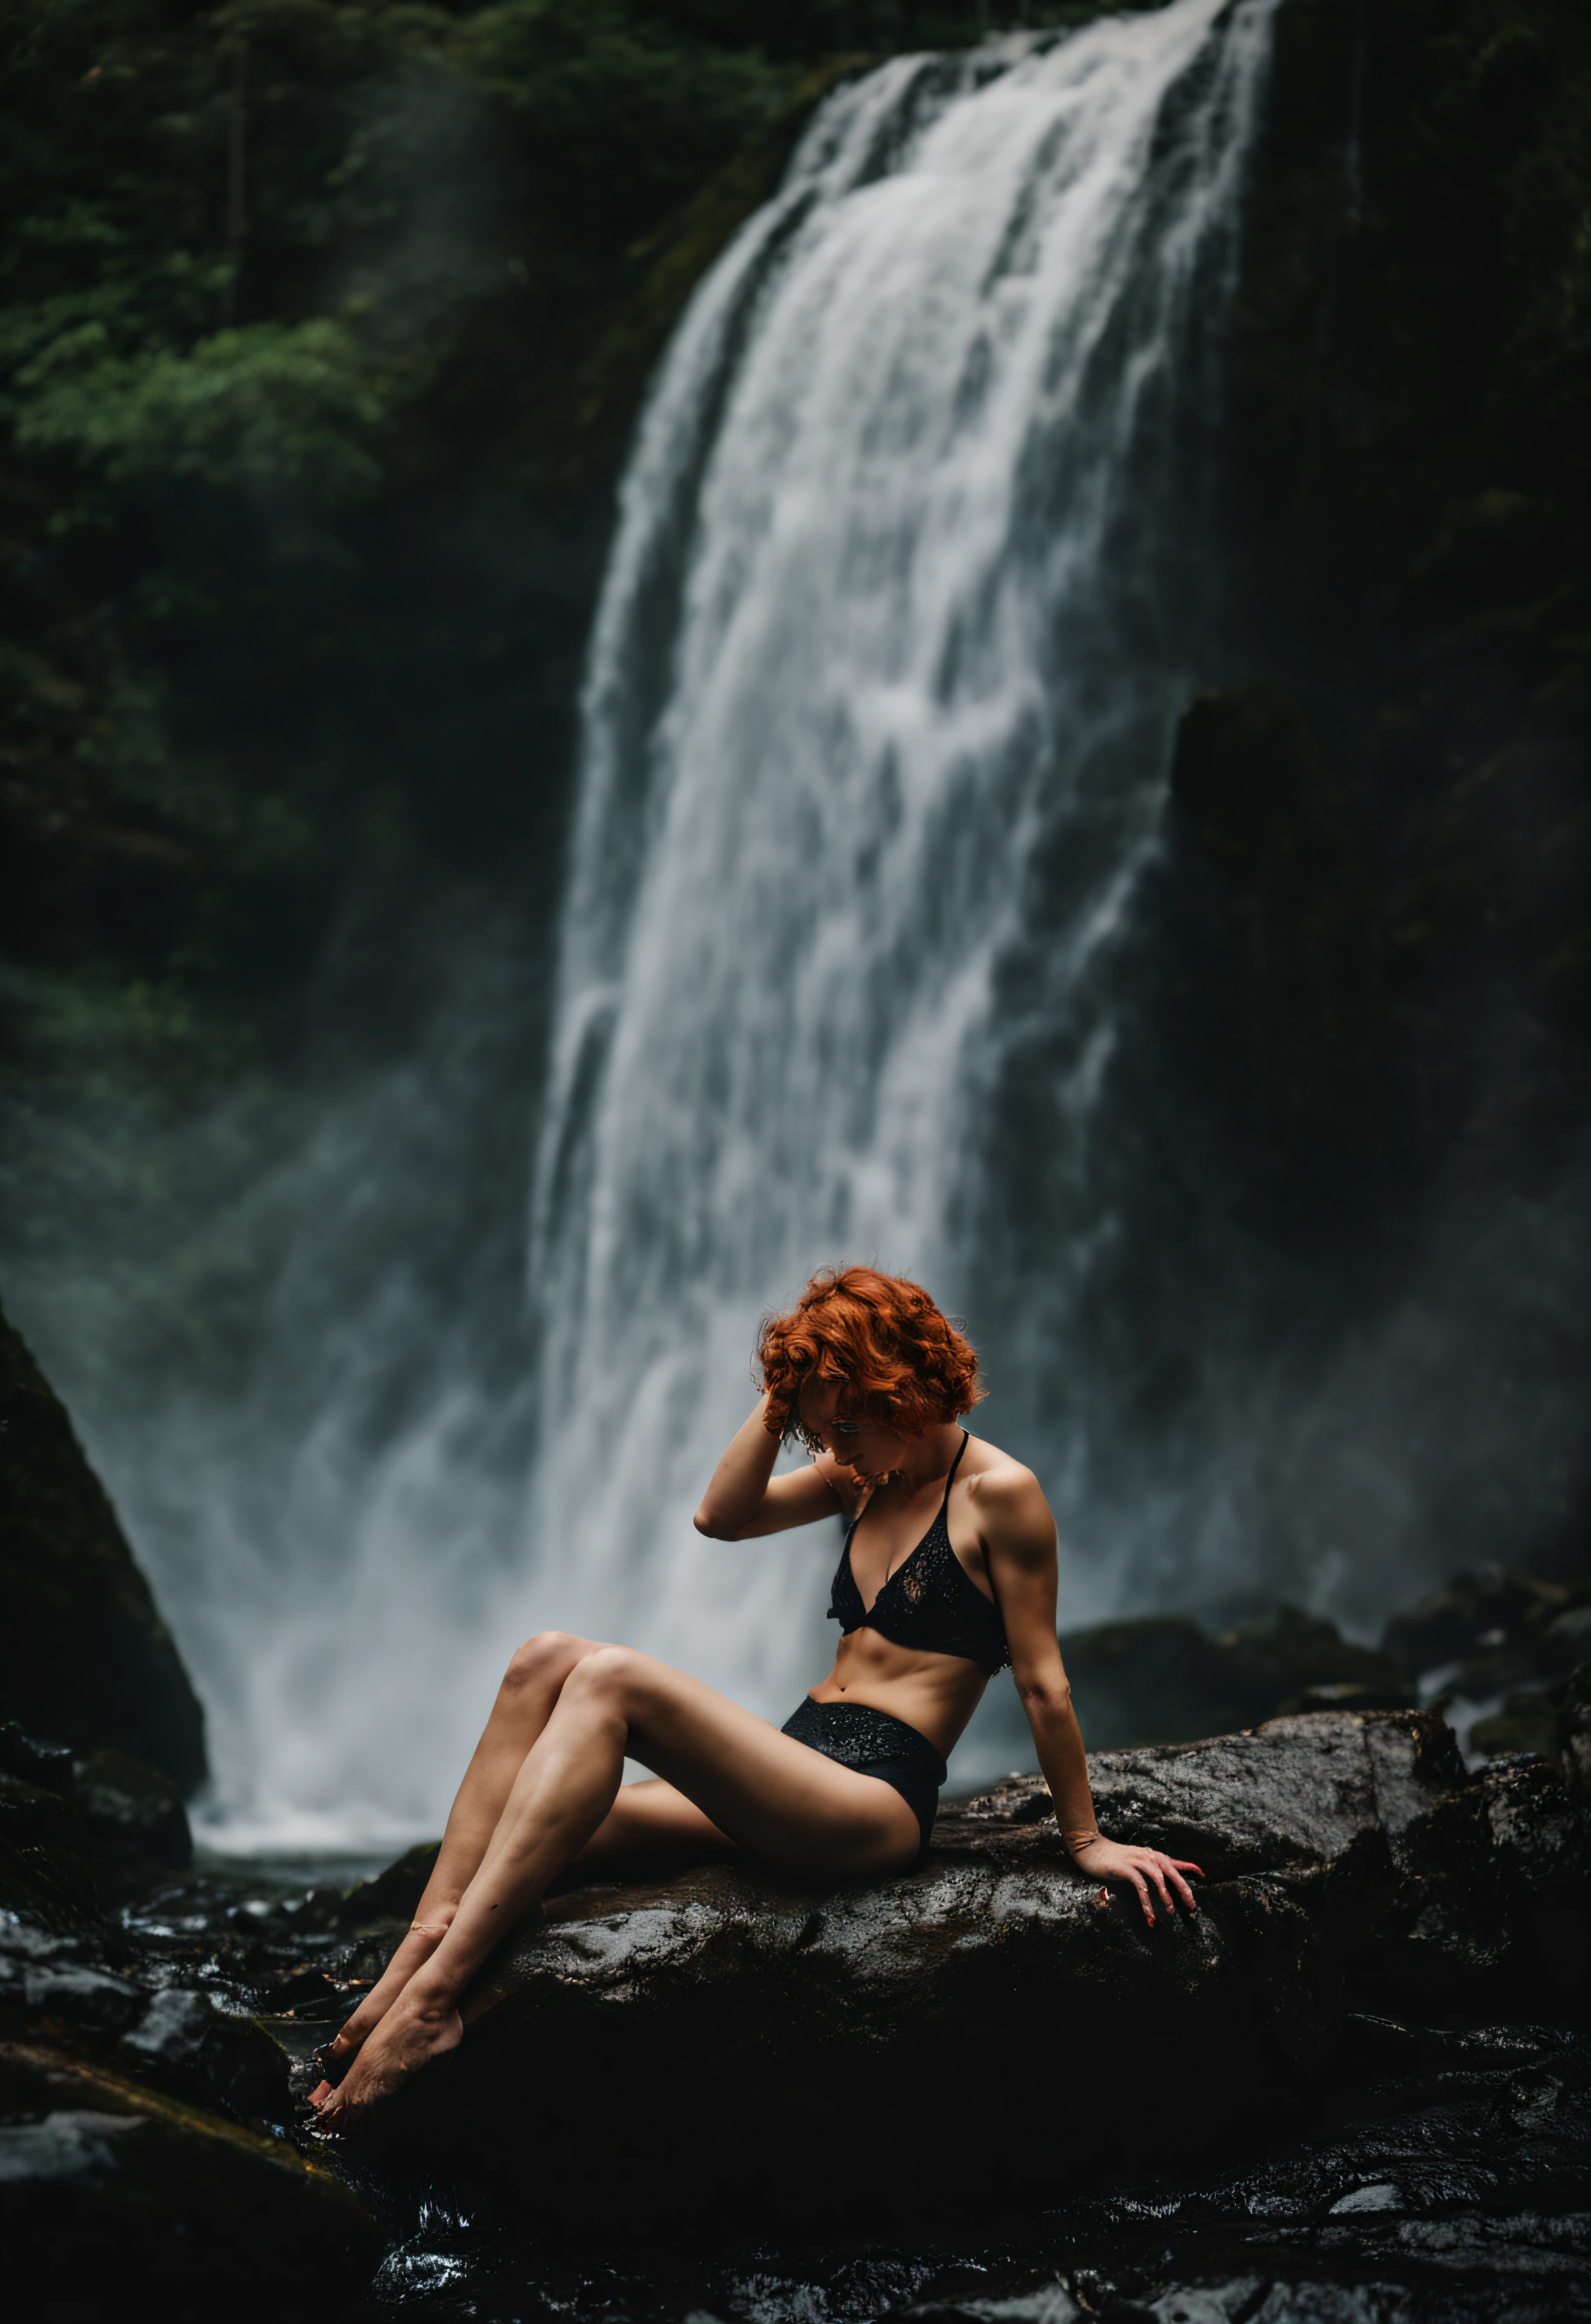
[935, 1691]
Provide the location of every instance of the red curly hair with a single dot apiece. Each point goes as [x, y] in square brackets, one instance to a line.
[904, 1364]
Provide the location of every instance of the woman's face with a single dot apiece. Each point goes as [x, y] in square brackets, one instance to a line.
[859, 1444]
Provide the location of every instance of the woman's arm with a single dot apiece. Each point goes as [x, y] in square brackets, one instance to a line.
[745, 1498]
[1019, 1537]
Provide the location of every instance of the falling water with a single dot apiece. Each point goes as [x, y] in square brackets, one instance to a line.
[903, 603]
[911, 579]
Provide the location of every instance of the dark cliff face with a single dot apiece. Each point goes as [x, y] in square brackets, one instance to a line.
[85, 1657]
[1410, 479]
[1374, 981]
[1410, 376]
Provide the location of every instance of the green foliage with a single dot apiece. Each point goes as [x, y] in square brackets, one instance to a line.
[271, 405]
[619, 119]
[294, 301]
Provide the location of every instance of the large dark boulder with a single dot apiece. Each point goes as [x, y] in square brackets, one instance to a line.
[109, 2183]
[1164, 1679]
[1427, 1885]
[60, 1987]
[141, 2127]
[135, 1820]
[84, 1653]
[1484, 1633]
[1442, 2182]
[44, 1875]
[122, 1825]
[742, 2014]
[1338, 1848]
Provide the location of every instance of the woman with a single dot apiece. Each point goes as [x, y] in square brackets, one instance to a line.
[948, 1575]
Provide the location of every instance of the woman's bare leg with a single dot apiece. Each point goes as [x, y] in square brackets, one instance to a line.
[531, 1684]
[759, 1788]
[650, 1828]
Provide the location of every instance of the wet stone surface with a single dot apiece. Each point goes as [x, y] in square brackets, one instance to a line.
[1357, 1872]
[1358, 2088]
[1411, 2139]
[1463, 2191]
[152, 2062]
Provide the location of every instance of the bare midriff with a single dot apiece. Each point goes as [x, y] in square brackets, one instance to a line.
[935, 1693]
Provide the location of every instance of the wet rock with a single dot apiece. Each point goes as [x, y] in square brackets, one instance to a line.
[57, 1993]
[1289, 1660]
[308, 1990]
[50, 1887]
[43, 1876]
[1494, 1632]
[1459, 2200]
[365, 1959]
[176, 2040]
[49, 1766]
[122, 2185]
[1159, 1680]
[1526, 1723]
[1574, 1737]
[1417, 1874]
[1164, 1680]
[124, 1820]
[751, 2003]
[32, 1817]
[378, 1912]
[1450, 2193]
[392, 1894]
[728, 1987]
[1345, 1852]
[1298, 1796]
[83, 1651]
[183, 2044]
[133, 1820]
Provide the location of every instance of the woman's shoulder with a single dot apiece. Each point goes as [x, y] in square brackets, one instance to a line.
[1004, 1491]
[990, 1469]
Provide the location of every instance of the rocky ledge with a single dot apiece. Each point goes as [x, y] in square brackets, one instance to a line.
[702, 2036]
[1366, 2036]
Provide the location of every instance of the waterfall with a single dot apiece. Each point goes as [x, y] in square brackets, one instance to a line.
[908, 587]
[914, 572]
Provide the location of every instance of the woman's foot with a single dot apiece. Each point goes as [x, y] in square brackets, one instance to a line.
[411, 2031]
[417, 1946]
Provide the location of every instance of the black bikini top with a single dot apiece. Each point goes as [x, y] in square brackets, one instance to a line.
[930, 1601]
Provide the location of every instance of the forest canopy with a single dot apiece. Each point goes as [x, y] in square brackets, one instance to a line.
[294, 298]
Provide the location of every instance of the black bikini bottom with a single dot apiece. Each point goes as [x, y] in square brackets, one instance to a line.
[875, 1744]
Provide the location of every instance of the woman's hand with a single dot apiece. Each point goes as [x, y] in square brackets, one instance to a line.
[1109, 1860]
